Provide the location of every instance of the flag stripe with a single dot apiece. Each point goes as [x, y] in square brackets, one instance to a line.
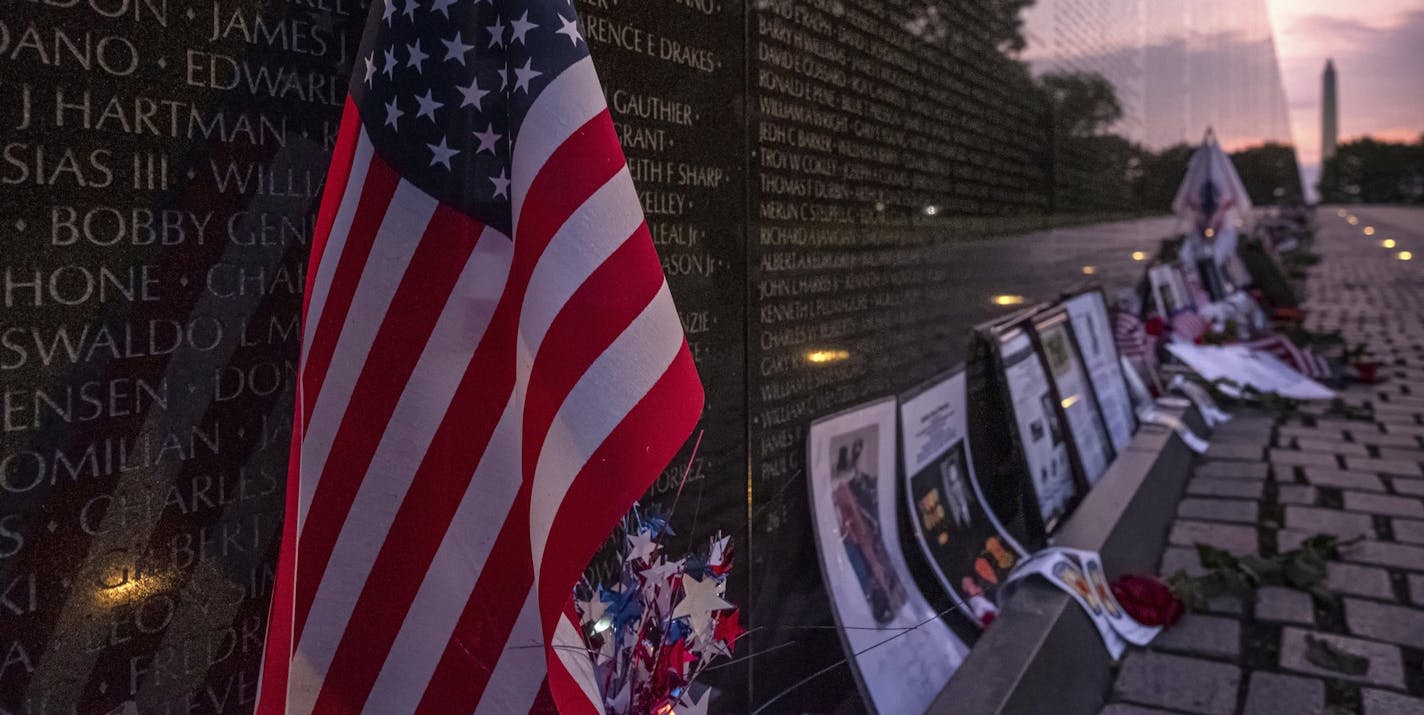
[444, 350]
[642, 444]
[605, 393]
[571, 101]
[334, 242]
[364, 313]
[519, 675]
[338, 176]
[376, 194]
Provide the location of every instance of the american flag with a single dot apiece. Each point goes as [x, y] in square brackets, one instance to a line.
[493, 372]
[1133, 343]
[1304, 360]
[1188, 325]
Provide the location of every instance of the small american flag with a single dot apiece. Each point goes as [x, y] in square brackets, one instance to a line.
[1133, 343]
[493, 372]
[1188, 325]
[1304, 360]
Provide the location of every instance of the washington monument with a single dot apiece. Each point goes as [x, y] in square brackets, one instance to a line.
[1329, 113]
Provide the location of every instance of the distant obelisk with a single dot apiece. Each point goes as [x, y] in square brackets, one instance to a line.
[1329, 113]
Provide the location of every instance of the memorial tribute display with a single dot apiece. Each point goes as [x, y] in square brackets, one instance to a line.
[969, 551]
[1092, 326]
[854, 503]
[1076, 399]
[836, 194]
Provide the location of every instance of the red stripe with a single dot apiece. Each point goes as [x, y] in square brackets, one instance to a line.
[543, 701]
[614, 295]
[478, 640]
[376, 193]
[579, 167]
[567, 179]
[342, 157]
[597, 313]
[424, 290]
[615, 476]
[277, 652]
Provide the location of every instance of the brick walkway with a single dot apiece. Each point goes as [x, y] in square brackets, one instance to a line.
[1265, 486]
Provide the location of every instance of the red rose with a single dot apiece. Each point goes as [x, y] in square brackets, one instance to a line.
[1147, 600]
[1367, 372]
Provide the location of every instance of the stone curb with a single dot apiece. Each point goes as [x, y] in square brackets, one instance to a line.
[1042, 653]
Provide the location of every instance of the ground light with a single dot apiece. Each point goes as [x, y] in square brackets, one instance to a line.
[1404, 255]
[1388, 243]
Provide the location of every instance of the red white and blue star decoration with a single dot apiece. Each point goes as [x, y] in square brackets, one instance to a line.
[665, 620]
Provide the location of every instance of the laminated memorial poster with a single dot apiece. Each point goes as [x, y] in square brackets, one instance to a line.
[852, 476]
[1040, 435]
[1074, 393]
[970, 553]
[1091, 326]
[1169, 289]
[1080, 574]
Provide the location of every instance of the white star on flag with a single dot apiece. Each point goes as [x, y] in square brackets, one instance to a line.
[417, 56]
[496, 33]
[455, 49]
[428, 105]
[370, 69]
[390, 63]
[525, 74]
[489, 140]
[393, 114]
[501, 184]
[570, 28]
[521, 27]
[472, 94]
[442, 153]
[410, 7]
[442, 7]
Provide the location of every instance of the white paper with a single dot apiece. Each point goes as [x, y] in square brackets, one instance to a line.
[1063, 571]
[851, 460]
[1091, 325]
[1245, 366]
[1040, 434]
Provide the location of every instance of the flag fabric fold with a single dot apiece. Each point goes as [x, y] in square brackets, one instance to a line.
[492, 373]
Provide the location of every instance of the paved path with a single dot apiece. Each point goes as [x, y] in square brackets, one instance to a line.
[1264, 486]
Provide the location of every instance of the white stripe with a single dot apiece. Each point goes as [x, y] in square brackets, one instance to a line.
[452, 575]
[336, 240]
[604, 395]
[405, 221]
[417, 415]
[567, 103]
[516, 678]
[579, 666]
[591, 234]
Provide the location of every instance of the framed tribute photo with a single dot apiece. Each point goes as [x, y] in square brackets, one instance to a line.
[1073, 393]
[853, 485]
[968, 550]
[1041, 437]
[1088, 311]
[1169, 289]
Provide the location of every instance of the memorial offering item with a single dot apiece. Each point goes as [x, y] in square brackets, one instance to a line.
[1214, 202]
[661, 624]
[1169, 290]
[967, 549]
[481, 408]
[853, 488]
[1080, 574]
[1234, 367]
[1040, 435]
[1093, 329]
[1073, 392]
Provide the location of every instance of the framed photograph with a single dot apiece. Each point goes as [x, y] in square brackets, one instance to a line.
[968, 550]
[1088, 311]
[853, 484]
[1041, 438]
[1072, 393]
[1169, 289]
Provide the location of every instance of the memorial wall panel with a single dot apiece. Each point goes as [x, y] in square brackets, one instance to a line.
[838, 190]
[161, 165]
